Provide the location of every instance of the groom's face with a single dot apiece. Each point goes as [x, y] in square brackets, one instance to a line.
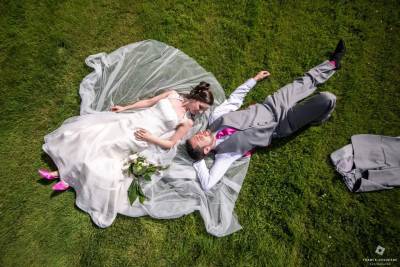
[203, 140]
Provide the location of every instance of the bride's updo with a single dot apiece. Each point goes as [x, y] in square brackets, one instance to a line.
[201, 93]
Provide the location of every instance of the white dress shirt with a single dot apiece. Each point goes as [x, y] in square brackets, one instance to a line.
[210, 177]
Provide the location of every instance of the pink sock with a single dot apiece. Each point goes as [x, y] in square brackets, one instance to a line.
[333, 62]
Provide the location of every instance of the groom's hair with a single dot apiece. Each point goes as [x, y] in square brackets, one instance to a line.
[194, 152]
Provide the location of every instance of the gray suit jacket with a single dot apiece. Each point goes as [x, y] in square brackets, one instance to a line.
[371, 162]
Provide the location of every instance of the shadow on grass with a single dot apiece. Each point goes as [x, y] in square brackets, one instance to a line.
[45, 182]
[49, 162]
[279, 142]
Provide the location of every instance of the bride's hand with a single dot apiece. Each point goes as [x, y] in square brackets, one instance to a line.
[142, 134]
[117, 108]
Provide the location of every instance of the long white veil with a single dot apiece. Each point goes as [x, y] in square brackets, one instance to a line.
[144, 69]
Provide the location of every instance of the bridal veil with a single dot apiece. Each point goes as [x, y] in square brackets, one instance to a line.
[144, 69]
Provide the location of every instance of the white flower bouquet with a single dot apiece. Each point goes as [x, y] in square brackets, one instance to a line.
[141, 170]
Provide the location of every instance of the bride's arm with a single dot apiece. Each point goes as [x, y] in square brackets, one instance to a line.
[145, 103]
[183, 128]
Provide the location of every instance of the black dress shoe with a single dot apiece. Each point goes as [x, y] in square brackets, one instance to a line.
[338, 54]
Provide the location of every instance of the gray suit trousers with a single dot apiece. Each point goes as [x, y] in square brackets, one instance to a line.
[291, 112]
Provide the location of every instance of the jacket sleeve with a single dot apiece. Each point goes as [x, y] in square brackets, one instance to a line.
[385, 177]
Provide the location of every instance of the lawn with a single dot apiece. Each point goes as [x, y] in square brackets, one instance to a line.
[294, 208]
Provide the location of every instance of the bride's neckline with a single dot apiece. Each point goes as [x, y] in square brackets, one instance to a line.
[181, 99]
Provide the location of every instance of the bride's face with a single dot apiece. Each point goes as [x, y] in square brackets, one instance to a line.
[196, 107]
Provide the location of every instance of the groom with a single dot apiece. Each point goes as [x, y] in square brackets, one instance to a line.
[234, 133]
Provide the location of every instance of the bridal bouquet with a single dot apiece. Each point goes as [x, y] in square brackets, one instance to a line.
[141, 170]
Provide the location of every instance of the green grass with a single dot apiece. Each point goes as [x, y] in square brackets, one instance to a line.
[293, 207]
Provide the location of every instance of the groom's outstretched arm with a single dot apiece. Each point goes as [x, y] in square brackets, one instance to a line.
[210, 177]
[235, 100]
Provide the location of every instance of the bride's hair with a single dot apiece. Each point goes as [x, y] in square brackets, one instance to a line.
[201, 93]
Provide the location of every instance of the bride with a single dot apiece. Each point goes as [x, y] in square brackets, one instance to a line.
[89, 150]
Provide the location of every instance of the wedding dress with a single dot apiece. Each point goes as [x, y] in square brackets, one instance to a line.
[89, 149]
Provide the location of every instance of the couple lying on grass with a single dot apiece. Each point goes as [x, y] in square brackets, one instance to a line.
[89, 149]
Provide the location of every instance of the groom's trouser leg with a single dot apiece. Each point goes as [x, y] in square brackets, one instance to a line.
[283, 100]
[315, 109]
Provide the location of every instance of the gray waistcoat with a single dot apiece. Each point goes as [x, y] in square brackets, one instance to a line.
[255, 124]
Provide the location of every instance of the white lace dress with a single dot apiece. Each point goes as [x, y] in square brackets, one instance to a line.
[89, 151]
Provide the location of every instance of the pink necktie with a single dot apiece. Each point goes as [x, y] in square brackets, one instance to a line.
[224, 132]
[229, 131]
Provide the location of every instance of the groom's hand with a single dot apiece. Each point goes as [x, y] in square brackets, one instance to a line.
[261, 75]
